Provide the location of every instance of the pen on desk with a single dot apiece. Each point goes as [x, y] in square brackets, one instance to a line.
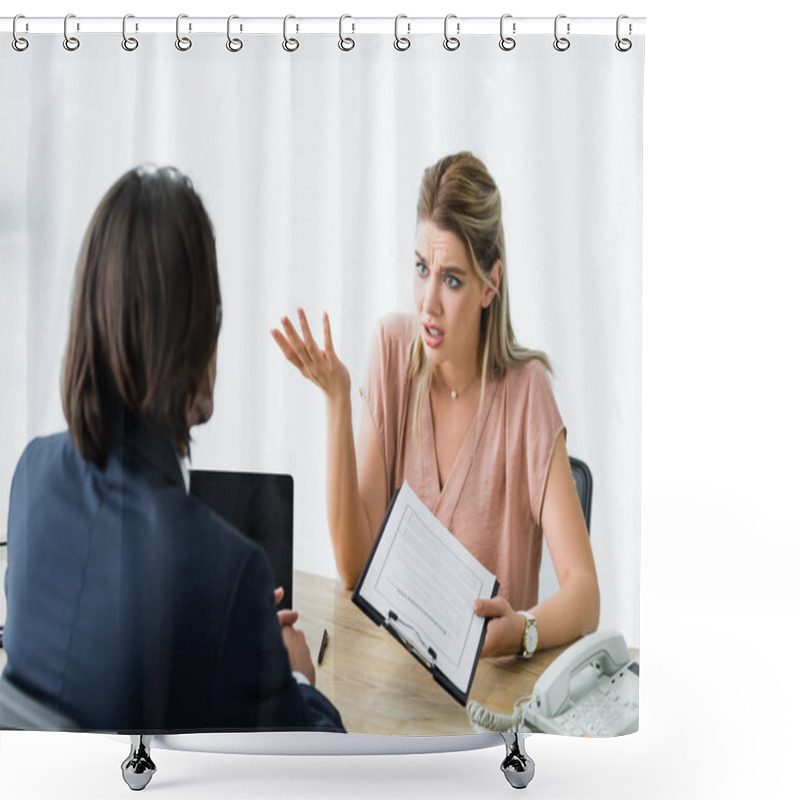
[322, 645]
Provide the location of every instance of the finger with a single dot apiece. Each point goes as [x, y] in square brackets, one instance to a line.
[278, 595]
[294, 339]
[493, 607]
[308, 337]
[287, 634]
[287, 617]
[286, 348]
[326, 333]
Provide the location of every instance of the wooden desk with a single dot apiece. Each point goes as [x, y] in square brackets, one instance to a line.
[378, 687]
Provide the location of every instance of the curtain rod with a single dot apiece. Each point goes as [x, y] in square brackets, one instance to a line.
[462, 26]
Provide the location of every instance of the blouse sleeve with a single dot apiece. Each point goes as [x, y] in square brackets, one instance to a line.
[544, 424]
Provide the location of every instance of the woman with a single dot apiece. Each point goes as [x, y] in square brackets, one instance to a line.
[131, 607]
[456, 407]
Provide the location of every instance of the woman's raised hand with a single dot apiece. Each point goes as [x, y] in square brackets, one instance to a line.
[322, 367]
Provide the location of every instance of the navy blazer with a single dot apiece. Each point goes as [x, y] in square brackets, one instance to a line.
[134, 608]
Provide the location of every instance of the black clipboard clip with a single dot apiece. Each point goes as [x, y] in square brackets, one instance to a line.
[426, 658]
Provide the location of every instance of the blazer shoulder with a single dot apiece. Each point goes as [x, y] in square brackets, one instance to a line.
[43, 447]
[45, 456]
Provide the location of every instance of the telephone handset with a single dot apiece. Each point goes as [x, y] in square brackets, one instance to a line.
[591, 689]
[590, 657]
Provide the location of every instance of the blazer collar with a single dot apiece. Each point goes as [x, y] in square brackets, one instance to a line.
[145, 445]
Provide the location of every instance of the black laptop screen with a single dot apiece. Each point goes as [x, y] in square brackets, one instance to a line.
[261, 507]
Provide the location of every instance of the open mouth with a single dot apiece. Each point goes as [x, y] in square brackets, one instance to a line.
[432, 335]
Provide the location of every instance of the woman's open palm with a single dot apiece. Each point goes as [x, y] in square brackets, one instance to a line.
[322, 367]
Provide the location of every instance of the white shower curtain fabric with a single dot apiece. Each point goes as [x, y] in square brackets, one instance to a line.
[309, 164]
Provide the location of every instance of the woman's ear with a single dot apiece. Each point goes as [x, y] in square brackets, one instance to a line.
[495, 276]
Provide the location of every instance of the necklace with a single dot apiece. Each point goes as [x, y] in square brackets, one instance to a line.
[456, 394]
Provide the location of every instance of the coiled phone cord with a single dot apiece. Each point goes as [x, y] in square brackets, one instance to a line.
[485, 720]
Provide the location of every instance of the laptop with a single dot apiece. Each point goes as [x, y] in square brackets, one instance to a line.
[260, 506]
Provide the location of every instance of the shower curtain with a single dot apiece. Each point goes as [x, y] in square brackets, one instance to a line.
[309, 160]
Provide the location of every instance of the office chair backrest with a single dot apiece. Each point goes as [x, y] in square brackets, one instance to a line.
[583, 483]
[19, 710]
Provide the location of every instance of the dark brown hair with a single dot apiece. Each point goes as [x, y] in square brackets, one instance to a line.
[146, 312]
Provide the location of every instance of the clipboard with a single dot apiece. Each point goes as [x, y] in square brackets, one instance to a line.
[410, 638]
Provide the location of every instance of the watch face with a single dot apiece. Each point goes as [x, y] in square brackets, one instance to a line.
[531, 637]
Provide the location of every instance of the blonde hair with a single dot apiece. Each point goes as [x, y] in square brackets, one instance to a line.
[457, 194]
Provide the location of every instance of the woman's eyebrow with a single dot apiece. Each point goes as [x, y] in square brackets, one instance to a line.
[451, 270]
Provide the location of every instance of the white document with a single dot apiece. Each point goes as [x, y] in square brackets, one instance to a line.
[424, 583]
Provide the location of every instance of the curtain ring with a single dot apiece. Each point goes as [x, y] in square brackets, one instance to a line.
[346, 43]
[561, 43]
[401, 43]
[128, 42]
[507, 42]
[183, 43]
[18, 43]
[451, 42]
[289, 45]
[623, 45]
[71, 43]
[233, 44]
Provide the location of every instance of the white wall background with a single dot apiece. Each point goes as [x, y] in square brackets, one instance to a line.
[309, 165]
[720, 535]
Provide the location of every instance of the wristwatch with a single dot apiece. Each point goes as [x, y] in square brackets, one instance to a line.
[530, 636]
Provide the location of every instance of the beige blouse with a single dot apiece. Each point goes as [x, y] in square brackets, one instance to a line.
[492, 499]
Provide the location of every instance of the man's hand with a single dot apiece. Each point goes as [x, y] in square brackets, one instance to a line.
[299, 654]
[295, 641]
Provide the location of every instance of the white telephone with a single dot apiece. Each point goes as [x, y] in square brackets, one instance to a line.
[591, 689]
